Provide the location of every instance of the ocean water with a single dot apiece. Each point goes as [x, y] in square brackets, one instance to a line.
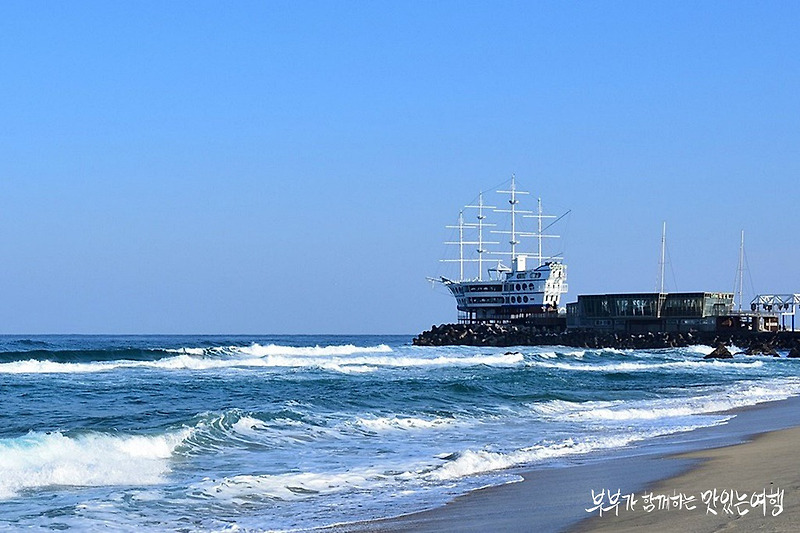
[203, 433]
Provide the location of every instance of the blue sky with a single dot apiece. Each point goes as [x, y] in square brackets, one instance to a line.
[289, 167]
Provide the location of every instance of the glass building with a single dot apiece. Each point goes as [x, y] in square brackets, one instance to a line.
[645, 312]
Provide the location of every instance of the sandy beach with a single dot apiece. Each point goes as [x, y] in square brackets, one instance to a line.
[750, 461]
[747, 487]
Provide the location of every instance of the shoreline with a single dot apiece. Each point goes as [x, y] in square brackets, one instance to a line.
[554, 497]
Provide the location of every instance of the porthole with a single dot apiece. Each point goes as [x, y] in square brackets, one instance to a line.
[524, 286]
[525, 299]
[518, 287]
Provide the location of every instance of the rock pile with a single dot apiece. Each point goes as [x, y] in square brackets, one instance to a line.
[720, 352]
[762, 343]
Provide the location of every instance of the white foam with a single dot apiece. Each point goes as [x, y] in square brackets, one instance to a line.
[578, 354]
[249, 426]
[189, 351]
[700, 349]
[33, 366]
[345, 364]
[740, 395]
[94, 459]
[554, 352]
[218, 430]
[258, 350]
[403, 423]
[243, 489]
[360, 363]
[472, 462]
[642, 366]
[508, 359]
[562, 408]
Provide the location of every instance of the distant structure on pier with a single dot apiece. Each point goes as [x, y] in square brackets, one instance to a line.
[680, 312]
[527, 291]
[650, 312]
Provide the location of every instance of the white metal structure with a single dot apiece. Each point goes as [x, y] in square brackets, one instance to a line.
[513, 200]
[509, 292]
[480, 225]
[480, 250]
[777, 304]
[539, 235]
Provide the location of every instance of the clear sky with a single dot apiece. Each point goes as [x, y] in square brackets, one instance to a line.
[289, 167]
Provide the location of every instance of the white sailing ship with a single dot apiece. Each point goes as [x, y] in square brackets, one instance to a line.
[533, 283]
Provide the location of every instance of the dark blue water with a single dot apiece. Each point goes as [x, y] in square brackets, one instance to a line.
[279, 432]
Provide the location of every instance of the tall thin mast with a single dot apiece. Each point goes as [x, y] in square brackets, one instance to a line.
[481, 217]
[539, 230]
[661, 262]
[741, 271]
[513, 201]
[460, 244]
[540, 216]
[480, 236]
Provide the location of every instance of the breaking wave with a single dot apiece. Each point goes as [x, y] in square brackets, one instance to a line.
[257, 350]
[40, 460]
[644, 366]
[345, 359]
[396, 423]
[472, 462]
[245, 489]
[741, 395]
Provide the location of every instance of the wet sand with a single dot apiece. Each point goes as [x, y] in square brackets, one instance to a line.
[747, 487]
[761, 445]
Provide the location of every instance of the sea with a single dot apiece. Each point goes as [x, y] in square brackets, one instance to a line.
[262, 433]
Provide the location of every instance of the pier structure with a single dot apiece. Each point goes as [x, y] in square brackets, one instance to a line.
[777, 307]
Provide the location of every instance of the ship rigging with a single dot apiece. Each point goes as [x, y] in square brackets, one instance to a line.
[533, 283]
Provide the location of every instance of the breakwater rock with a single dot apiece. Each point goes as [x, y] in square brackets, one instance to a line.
[524, 335]
[720, 352]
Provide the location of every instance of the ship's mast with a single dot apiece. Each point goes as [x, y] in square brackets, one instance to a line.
[480, 225]
[460, 244]
[514, 235]
[480, 236]
[514, 212]
[539, 230]
[661, 261]
[740, 271]
[513, 201]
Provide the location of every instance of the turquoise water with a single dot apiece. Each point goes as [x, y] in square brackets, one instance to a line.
[282, 432]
